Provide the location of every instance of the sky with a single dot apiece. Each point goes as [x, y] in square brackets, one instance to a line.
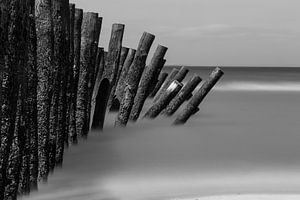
[208, 32]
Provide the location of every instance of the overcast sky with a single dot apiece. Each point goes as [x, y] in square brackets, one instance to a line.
[209, 32]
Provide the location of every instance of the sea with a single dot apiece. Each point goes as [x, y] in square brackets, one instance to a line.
[243, 141]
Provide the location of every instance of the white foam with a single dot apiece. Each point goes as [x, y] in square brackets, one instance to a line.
[259, 86]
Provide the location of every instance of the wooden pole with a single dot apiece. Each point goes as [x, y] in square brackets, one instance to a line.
[101, 62]
[161, 79]
[86, 55]
[123, 56]
[76, 67]
[182, 95]
[70, 75]
[121, 84]
[145, 83]
[155, 78]
[29, 168]
[110, 73]
[179, 77]
[165, 99]
[44, 28]
[133, 78]
[192, 106]
[166, 84]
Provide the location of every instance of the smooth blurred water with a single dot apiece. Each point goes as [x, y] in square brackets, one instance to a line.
[241, 141]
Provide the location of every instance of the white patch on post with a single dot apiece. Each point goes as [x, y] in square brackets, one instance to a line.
[173, 85]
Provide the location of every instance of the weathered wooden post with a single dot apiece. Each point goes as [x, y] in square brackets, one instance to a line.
[182, 95]
[29, 168]
[76, 67]
[155, 77]
[179, 77]
[109, 75]
[86, 55]
[101, 62]
[165, 99]
[121, 84]
[145, 83]
[192, 106]
[44, 28]
[133, 78]
[93, 68]
[167, 83]
[60, 18]
[70, 74]
[123, 56]
[161, 79]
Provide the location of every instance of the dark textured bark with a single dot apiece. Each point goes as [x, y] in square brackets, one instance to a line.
[133, 78]
[44, 29]
[121, 84]
[123, 56]
[161, 79]
[70, 76]
[182, 95]
[77, 46]
[145, 83]
[13, 72]
[58, 107]
[29, 168]
[165, 99]
[191, 107]
[166, 84]
[100, 61]
[63, 39]
[86, 55]
[93, 68]
[156, 75]
[179, 77]
[110, 72]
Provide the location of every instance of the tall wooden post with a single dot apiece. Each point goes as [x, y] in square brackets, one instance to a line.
[87, 39]
[121, 84]
[161, 79]
[145, 83]
[182, 95]
[123, 56]
[133, 78]
[110, 73]
[165, 99]
[192, 106]
[44, 28]
[76, 67]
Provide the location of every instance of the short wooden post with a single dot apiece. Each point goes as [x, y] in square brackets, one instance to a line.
[86, 56]
[192, 106]
[145, 83]
[167, 83]
[45, 51]
[76, 67]
[121, 84]
[133, 78]
[101, 64]
[109, 75]
[156, 75]
[123, 56]
[182, 95]
[161, 79]
[165, 99]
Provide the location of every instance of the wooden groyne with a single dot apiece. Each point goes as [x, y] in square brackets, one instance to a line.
[56, 84]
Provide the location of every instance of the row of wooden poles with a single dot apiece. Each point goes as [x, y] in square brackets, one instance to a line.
[56, 83]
